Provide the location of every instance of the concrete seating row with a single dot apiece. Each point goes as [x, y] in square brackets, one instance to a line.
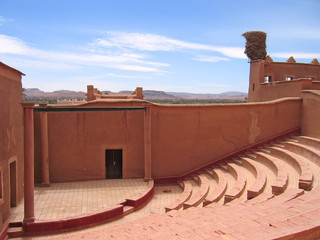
[280, 169]
[309, 152]
[199, 196]
[220, 189]
[299, 162]
[239, 186]
[261, 178]
[283, 212]
[184, 196]
[312, 142]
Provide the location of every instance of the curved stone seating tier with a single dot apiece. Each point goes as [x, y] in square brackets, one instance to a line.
[281, 172]
[221, 188]
[198, 197]
[184, 196]
[75, 223]
[140, 200]
[260, 174]
[261, 198]
[300, 163]
[304, 150]
[312, 142]
[250, 174]
[261, 178]
[284, 155]
[239, 186]
[231, 177]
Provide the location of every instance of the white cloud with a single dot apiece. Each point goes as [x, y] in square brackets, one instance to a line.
[12, 45]
[122, 53]
[153, 42]
[203, 58]
[124, 61]
[22, 63]
[148, 42]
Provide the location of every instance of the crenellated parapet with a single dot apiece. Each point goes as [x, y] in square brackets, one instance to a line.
[271, 80]
[94, 94]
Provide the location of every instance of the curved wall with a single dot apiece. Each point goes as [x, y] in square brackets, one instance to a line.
[187, 137]
[183, 137]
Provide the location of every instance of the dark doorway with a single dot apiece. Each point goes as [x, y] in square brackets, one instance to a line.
[113, 163]
[13, 184]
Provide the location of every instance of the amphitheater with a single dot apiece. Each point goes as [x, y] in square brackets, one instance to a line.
[271, 192]
[120, 167]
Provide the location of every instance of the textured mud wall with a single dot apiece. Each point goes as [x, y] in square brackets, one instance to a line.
[310, 120]
[184, 138]
[78, 140]
[11, 135]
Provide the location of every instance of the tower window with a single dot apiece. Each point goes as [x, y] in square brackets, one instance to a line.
[267, 79]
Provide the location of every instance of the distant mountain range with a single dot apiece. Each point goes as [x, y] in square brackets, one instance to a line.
[33, 93]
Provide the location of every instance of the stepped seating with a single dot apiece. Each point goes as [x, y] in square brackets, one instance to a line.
[239, 186]
[261, 178]
[272, 168]
[219, 191]
[198, 197]
[307, 151]
[272, 209]
[313, 142]
[306, 176]
[184, 196]
[281, 181]
[290, 215]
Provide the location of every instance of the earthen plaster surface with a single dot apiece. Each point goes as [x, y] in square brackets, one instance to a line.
[11, 135]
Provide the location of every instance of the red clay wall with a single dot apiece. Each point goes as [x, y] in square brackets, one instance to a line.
[11, 135]
[77, 143]
[276, 90]
[310, 119]
[280, 70]
[279, 87]
[183, 137]
[255, 79]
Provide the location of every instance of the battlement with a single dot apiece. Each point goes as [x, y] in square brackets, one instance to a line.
[270, 80]
[94, 94]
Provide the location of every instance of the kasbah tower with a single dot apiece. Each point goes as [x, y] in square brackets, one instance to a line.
[245, 171]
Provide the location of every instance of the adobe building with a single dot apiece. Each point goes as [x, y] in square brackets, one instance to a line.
[125, 136]
[12, 144]
[271, 80]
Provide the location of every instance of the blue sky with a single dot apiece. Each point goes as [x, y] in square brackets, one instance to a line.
[169, 45]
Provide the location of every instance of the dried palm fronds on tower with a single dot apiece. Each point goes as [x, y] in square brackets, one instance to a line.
[255, 45]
